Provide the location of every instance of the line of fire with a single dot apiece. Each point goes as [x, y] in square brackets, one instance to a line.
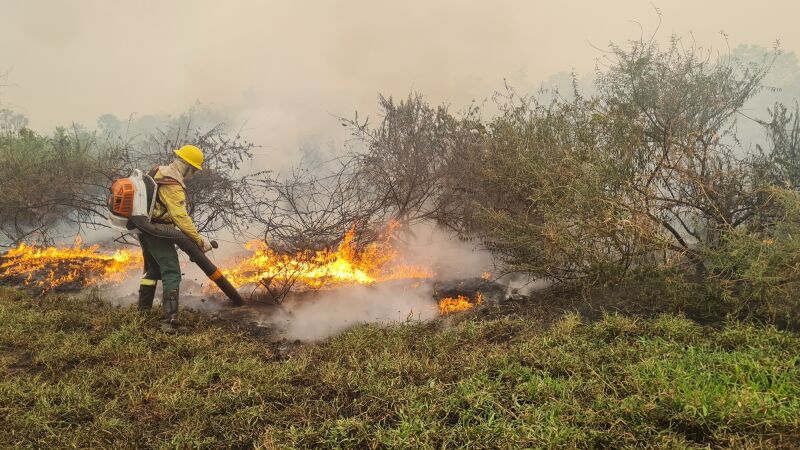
[261, 271]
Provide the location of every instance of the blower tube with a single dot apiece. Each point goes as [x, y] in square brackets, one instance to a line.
[195, 254]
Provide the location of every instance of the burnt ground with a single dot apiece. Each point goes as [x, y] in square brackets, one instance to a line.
[266, 320]
[544, 306]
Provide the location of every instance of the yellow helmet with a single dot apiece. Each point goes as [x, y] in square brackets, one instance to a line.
[191, 155]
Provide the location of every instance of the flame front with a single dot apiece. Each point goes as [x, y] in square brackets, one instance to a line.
[323, 269]
[450, 305]
[49, 268]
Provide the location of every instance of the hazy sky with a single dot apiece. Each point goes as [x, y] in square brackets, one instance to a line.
[288, 67]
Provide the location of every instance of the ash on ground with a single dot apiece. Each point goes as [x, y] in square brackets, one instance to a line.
[318, 314]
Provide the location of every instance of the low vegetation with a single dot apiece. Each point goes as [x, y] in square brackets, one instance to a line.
[78, 373]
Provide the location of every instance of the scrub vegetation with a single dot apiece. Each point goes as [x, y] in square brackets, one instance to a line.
[639, 198]
[78, 373]
[646, 174]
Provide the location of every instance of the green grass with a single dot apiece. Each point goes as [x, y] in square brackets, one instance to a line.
[76, 373]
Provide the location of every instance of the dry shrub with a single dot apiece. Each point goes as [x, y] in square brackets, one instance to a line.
[757, 270]
[647, 172]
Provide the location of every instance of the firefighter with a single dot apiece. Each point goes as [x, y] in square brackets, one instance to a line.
[160, 255]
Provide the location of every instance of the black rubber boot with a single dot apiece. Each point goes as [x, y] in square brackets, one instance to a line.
[170, 319]
[146, 296]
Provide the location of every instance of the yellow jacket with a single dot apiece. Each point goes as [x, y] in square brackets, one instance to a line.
[173, 197]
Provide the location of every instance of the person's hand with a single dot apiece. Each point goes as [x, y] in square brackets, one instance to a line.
[204, 244]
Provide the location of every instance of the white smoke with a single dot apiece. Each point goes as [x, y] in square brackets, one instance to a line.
[440, 250]
[331, 312]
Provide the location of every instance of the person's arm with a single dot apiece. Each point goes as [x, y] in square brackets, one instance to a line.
[174, 198]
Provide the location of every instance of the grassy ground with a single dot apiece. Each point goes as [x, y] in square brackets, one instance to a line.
[76, 373]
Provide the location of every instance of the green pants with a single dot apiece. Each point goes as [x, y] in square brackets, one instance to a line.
[160, 263]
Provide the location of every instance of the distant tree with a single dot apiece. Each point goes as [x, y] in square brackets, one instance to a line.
[11, 122]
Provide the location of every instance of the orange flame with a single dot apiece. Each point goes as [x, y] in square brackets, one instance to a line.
[49, 268]
[324, 269]
[450, 305]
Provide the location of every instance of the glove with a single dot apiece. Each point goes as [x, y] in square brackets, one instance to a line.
[204, 244]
